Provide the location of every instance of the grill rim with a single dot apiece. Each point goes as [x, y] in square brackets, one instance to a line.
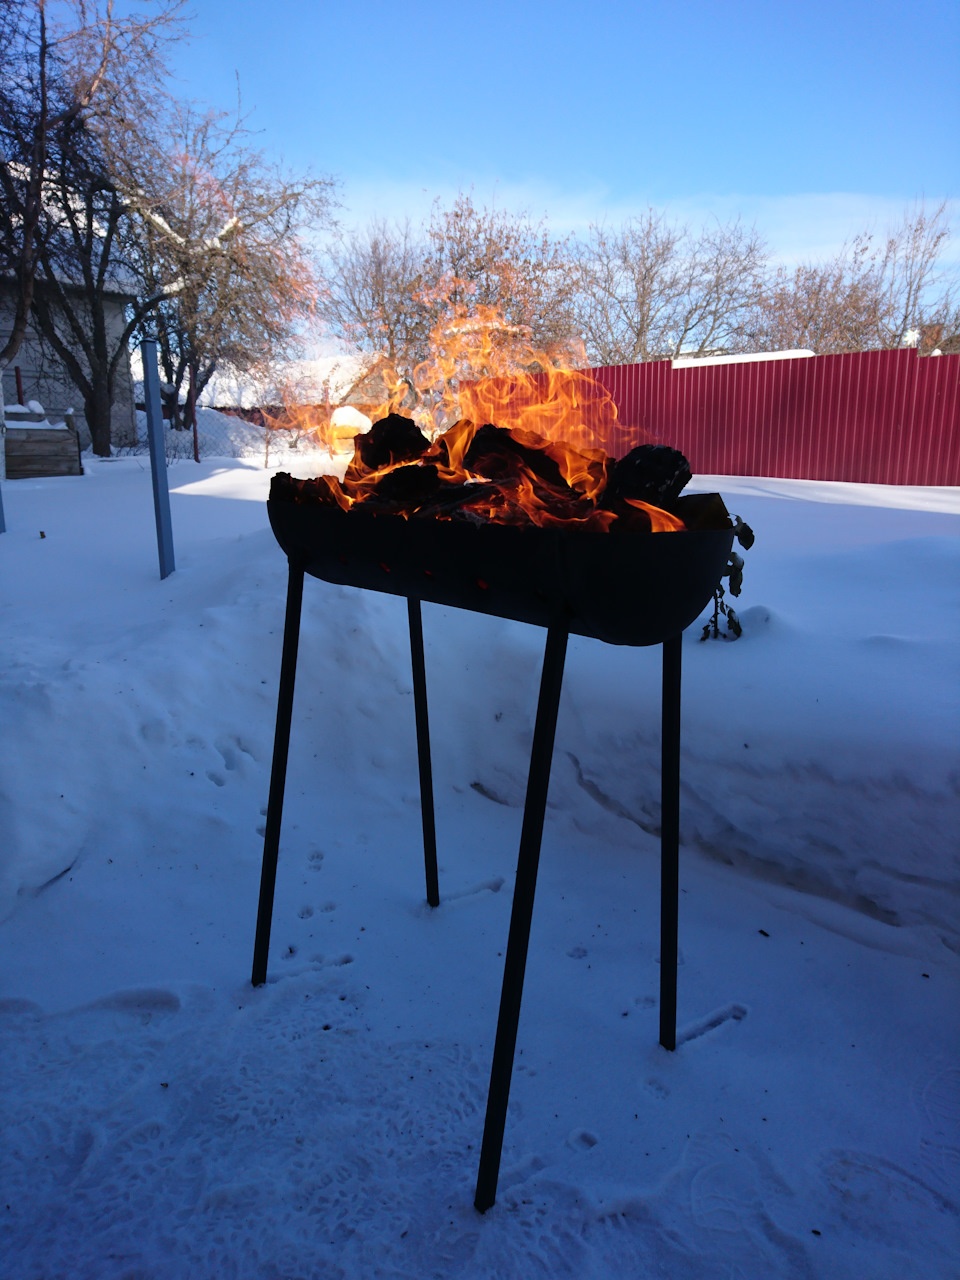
[622, 588]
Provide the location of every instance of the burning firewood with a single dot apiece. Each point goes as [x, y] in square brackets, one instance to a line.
[510, 476]
[651, 472]
[391, 441]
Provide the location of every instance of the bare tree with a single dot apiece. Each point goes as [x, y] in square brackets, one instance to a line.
[82, 247]
[219, 245]
[386, 288]
[823, 307]
[492, 258]
[914, 289]
[134, 196]
[652, 289]
[57, 76]
[869, 296]
[372, 282]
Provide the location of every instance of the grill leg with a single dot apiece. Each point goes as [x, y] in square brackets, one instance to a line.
[669, 840]
[526, 883]
[278, 774]
[423, 751]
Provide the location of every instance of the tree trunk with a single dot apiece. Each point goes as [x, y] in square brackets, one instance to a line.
[171, 404]
[97, 409]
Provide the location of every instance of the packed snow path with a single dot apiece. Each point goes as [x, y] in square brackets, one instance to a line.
[161, 1119]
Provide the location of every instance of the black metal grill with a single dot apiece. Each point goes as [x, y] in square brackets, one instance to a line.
[624, 588]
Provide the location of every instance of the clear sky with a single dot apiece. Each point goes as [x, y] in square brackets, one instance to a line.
[813, 120]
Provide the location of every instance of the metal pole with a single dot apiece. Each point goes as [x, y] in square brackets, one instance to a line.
[158, 456]
[193, 412]
[423, 751]
[669, 839]
[278, 774]
[531, 835]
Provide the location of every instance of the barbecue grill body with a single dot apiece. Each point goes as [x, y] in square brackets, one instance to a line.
[623, 588]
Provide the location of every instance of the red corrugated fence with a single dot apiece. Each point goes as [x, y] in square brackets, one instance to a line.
[886, 417]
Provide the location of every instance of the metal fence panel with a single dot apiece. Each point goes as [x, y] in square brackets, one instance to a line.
[886, 417]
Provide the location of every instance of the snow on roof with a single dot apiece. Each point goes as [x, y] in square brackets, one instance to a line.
[305, 381]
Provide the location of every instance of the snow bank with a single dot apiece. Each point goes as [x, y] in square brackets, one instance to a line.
[163, 1119]
[819, 751]
[223, 435]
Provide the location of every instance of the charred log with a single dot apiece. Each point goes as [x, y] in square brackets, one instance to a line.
[511, 476]
[652, 473]
[391, 441]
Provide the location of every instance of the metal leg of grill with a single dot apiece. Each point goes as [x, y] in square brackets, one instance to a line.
[532, 833]
[278, 774]
[423, 752]
[669, 840]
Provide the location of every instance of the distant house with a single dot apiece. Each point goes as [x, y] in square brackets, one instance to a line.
[321, 382]
[43, 377]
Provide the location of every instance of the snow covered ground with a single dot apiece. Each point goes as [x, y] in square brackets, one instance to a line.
[162, 1119]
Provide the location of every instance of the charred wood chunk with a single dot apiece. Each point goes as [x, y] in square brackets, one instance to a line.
[287, 488]
[284, 488]
[409, 486]
[449, 501]
[654, 473]
[702, 511]
[497, 454]
[392, 440]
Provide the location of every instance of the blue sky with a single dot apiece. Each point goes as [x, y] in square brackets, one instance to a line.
[813, 121]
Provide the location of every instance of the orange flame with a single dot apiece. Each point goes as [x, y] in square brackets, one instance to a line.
[660, 521]
[512, 487]
[481, 370]
[485, 370]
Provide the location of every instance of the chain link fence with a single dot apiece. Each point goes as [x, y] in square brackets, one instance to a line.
[221, 435]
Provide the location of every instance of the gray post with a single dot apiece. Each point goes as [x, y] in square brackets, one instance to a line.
[3, 453]
[158, 456]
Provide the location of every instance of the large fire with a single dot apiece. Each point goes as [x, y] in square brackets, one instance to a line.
[488, 428]
[506, 475]
[482, 369]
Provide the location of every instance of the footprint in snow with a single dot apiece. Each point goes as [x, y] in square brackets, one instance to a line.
[940, 1138]
[885, 1203]
[581, 1140]
[493, 885]
[710, 1022]
[725, 1191]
